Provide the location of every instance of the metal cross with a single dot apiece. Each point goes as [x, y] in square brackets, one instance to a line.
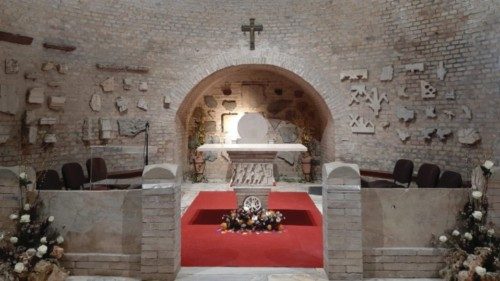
[252, 28]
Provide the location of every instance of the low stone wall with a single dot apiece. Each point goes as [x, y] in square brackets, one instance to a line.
[97, 264]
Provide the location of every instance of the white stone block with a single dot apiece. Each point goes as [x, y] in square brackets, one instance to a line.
[48, 120]
[36, 95]
[56, 102]
[50, 138]
[9, 101]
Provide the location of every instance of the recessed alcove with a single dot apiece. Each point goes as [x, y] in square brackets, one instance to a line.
[293, 108]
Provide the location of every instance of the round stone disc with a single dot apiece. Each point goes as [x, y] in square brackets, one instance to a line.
[253, 126]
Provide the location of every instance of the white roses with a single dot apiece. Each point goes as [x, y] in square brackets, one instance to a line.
[43, 240]
[23, 176]
[443, 238]
[477, 194]
[25, 219]
[60, 239]
[19, 267]
[481, 271]
[478, 215]
[1, 236]
[455, 232]
[491, 232]
[488, 164]
[41, 251]
[468, 236]
[13, 217]
[27, 207]
[51, 219]
[13, 240]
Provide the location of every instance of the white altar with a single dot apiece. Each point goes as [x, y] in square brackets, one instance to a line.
[252, 160]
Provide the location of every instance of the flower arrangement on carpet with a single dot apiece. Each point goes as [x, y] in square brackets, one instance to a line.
[32, 250]
[245, 219]
[473, 248]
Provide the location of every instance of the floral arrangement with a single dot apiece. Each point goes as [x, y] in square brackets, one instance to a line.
[245, 219]
[473, 248]
[32, 250]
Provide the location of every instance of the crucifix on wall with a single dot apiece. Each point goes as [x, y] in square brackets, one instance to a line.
[252, 28]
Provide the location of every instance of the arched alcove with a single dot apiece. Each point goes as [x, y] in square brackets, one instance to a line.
[294, 109]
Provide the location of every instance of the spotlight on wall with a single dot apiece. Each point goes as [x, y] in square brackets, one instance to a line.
[226, 89]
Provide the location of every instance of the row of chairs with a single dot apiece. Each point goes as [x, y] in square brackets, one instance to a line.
[72, 174]
[428, 175]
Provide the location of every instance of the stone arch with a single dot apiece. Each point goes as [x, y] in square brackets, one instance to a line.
[184, 93]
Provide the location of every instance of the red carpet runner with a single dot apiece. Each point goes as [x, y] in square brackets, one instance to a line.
[299, 245]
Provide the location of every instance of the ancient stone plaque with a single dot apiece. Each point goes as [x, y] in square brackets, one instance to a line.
[95, 102]
[359, 126]
[143, 86]
[428, 133]
[46, 66]
[36, 95]
[387, 73]
[253, 128]
[375, 100]
[357, 92]
[48, 121]
[11, 66]
[29, 117]
[105, 128]
[468, 136]
[229, 105]
[430, 111]
[131, 127]
[252, 95]
[210, 101]
[427, 91]
[127, 83]
[288, 157]
[405, 114]
[142, 104]
[56, 103]
[62, 68]
[402, 92]
[108, 85]
[121, 103]
[87, 133]
[50, 138]
[288, 133]
[449, 114]
[32, 134]
[9, 101]
[467, 112]
[442, 134]
[354, 75]
[403, 136]
[414, 67]
[441, 71]
[450, 95]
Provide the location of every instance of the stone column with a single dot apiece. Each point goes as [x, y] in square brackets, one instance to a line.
[342, 228]
[161, 211]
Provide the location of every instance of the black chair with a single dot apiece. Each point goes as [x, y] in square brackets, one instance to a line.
[450, 179]
[73, 176]
[402, 174]
[428, 175]
[96, 169]
[48, 180]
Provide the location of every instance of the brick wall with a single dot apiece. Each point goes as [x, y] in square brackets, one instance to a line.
[9, 198]
[92, 264]
[184, 41]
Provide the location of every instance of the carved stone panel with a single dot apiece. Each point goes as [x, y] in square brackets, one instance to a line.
[122, 104]
[428, 133]
[427, 91]
[36, 95]
[32, 134]
[253, 174]
[143, 86]
[11, 66]
[127, 84]
[105, 128]
[403, 136]
[87, 133]
[468, 136]
[29, 117]
[131, 127]
[441, 71]
[95, 102]
[414, 67]
[443, 134]
[449, 114]
[402, 92]
[48, 121]
[375, 100]
[357, 92]
[354, 75]
[405, 114]
[359, 126]
[9, 101]
[56, 103]
[387, 73]
[450, 95]
[142, 104]
[467, 112]
[430, 111]
[108, 85]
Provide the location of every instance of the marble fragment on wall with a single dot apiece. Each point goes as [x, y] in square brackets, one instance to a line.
[9, 101]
